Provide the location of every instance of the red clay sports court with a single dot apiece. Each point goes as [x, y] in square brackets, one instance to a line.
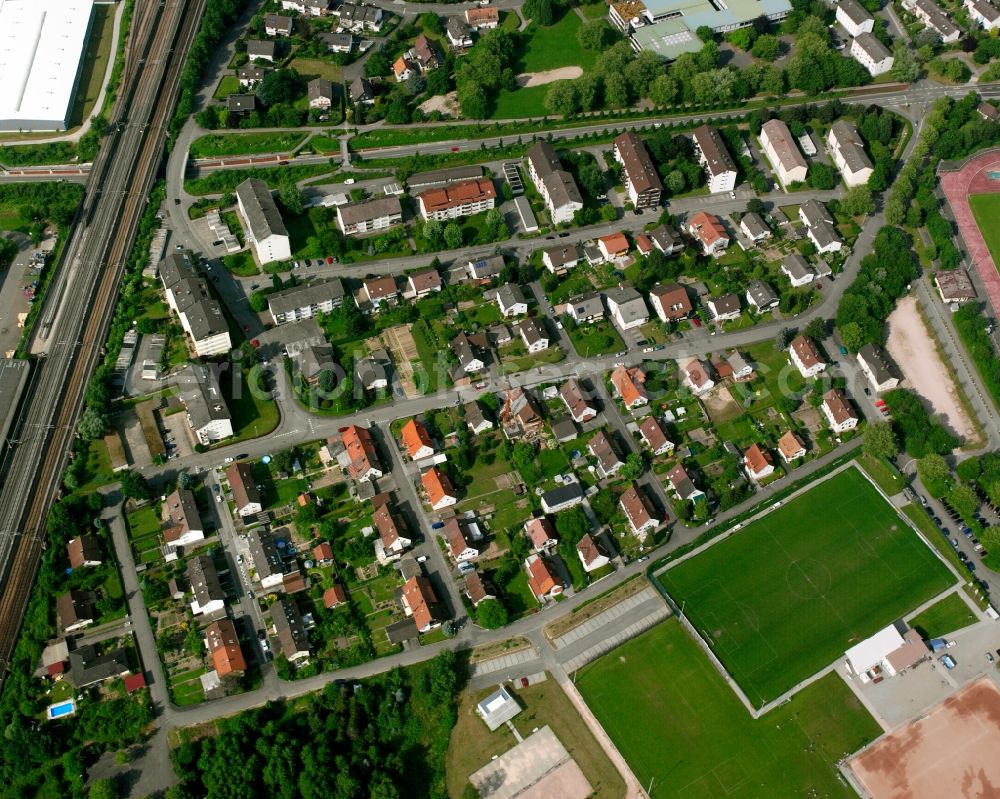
[951, 751]
[978, 175]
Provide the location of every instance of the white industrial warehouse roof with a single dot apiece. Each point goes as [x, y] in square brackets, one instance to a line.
[42, 43]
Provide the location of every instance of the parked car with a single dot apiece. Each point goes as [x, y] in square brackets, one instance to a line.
[989, 657]
[948, 662]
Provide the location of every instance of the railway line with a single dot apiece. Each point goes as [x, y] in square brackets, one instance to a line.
[78, 313]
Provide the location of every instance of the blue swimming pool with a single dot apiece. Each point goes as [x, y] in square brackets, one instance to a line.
[66, 708]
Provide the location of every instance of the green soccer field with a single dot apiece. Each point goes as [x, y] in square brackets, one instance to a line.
[986, 209]
[787, 595]
[679, 725]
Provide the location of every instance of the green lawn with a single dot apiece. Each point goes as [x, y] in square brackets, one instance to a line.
[253, 415]
[219, 144]
[600, 338]
[787, 595]
[526, 102]
[241, 264]
[986, 209]
[555, 46]
[679, 725]
[943, 617]
[143, 522]
[229, 84]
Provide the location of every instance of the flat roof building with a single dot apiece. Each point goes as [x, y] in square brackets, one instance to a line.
[42, 44]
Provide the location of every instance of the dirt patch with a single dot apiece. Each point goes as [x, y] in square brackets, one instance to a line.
[526, 79]
[444, 103]
[952, 751]
[400, 342]
[911, 346]
[720, 405]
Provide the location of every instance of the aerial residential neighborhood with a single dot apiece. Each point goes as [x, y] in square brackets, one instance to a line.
[502, 398]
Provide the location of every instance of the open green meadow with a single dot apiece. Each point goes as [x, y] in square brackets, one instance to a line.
[786, 596]
[986, 209]
[680, 726]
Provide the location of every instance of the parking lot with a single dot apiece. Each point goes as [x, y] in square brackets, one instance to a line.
[18, 289]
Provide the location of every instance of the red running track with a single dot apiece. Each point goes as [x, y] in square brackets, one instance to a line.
[973, 178]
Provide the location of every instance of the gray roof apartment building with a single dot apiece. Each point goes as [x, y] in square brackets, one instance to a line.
[304, 302]
[262, 221]
[380, 213]
[198, 312]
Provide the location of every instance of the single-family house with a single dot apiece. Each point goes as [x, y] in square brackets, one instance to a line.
[630, 385]
[362, 91]
[542, 579]
[337, 42]
[182, 522]
[482, 18]
[203, 578]
[626, 307]
[580, 407]
[243, 486]
[753, 226]
[478, 589]
[791, 447]
[819, 226]
[84, 552]
[609, 461]
[421, 604]
[440, 492]
[758, 463]
[290, 629]
[360, 457]
[724, 308]
[561, 258]
[542, 535]
[666, 239]
[709, 231]
[805, 356]
[696, 377]
[476, 419]
[586, 308]
[613, 246]
[797, 270]
[460, 541]
[75, 610]
[223, 645]
[654, 436]
[670, 301]
[261, 50]
[838, 411]
[378, 291]
[682, 484]
[467, 352]
[761, 296]
[592, 555]
[424, 283]
[459, 35]
[534, 335]
[417, 440]
[319, 92]
[642, 516]
[277, 25]
[511, 301]
[562, 497]
[393, 540]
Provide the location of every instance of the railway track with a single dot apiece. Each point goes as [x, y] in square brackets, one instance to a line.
[77, 316]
